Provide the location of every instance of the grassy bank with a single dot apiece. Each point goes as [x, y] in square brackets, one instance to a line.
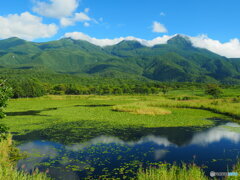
[8, 155]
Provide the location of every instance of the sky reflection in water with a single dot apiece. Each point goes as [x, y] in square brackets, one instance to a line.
[216, 147]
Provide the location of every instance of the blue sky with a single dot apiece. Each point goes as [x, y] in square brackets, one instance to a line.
[219, 19]
[45, 20]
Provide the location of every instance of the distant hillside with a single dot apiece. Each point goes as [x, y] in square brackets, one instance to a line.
[177, 60]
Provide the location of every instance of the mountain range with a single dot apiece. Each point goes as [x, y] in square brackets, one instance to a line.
[176, 61]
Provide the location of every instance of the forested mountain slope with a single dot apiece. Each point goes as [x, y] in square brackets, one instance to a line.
[178, 60]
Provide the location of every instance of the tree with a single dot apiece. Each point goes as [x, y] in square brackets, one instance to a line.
[72, 90]
[59, 89]
[214, 90]
[33, 88]
[5, 94]
[165, 90]
[27, 88]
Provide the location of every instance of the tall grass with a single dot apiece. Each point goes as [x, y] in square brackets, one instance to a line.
[7, 164]
[228, 107]
[141, 108]
[173, 172]
[166, 172]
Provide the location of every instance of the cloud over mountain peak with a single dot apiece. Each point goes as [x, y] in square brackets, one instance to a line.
[229, 49]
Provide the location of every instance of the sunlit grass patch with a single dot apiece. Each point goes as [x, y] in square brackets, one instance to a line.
[166, 172]
[141, 108]
[221, 106]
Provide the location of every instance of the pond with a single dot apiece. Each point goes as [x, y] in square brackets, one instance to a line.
[214, 149]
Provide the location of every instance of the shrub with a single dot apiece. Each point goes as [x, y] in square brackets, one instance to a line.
[213, 90]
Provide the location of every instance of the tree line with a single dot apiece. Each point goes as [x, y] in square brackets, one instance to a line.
[35, 88]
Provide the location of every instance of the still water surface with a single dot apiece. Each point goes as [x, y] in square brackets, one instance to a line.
[215, 149]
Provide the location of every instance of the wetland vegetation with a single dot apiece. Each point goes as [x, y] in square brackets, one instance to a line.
[120, 134]
[84, 117]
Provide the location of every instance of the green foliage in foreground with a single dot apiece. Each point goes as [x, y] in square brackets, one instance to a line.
[173, 172]
[166, 172]
[8, 155]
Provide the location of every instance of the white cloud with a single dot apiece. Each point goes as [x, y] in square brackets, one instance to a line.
[86, 10]
[56, 8]
[161, 141]
[81, 17]
[86, 24]
[26, 26]
[159, 28]
[66, 22]
[229, 49]
[216, 134]
[162, 14]
[64, 10]
[78, 17]
[109, 42]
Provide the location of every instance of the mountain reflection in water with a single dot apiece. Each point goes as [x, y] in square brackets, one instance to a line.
[216, 147]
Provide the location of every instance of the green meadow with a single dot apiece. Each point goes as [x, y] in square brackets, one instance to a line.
[84, 117]
[71, 118]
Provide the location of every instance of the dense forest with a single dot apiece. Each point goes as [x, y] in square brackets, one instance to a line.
[35, 88]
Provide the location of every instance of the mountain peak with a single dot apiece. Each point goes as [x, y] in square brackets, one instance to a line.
[180, 40]
[13, 39]
[130, 44]
[10, 42]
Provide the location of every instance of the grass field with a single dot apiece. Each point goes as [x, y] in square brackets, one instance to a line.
[53, 117]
